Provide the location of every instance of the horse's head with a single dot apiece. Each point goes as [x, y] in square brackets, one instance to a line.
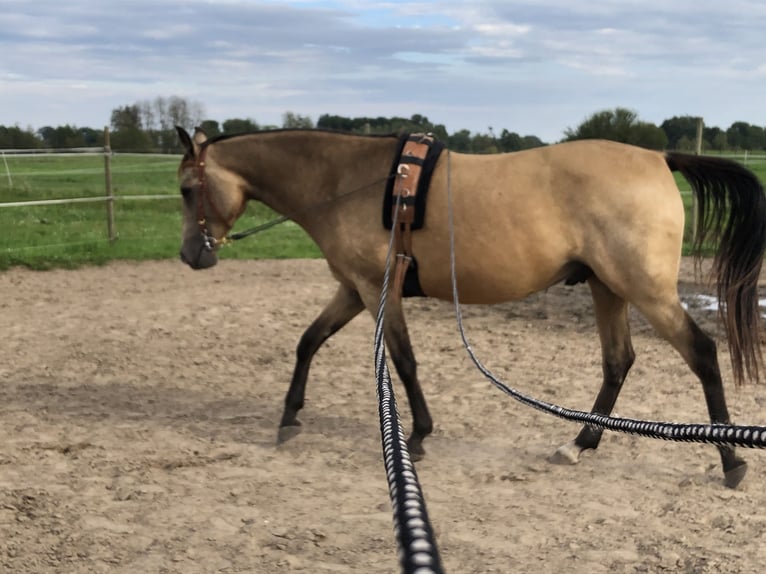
[213, 199]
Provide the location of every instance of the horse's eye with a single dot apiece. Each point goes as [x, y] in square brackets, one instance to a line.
[186, 192]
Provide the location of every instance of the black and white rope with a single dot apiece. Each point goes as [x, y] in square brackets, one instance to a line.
[418, 553]
[717, 434]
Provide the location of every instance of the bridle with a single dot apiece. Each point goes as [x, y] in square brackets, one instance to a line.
[210, 241]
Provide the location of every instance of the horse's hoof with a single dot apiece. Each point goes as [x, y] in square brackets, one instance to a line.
[734, 476]
[566, 454]
[417, 456]
[287, 432]
[416, 450]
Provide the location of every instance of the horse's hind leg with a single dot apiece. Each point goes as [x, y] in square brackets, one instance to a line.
[699, 351]
[344, 306]
[617, 357]
[706, 368]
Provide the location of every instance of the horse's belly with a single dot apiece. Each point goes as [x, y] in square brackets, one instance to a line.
[487, 284]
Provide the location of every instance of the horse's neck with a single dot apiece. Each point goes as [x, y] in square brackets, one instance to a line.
[295, 170]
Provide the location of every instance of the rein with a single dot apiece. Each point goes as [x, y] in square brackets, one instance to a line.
[212, 243]
[415, 538]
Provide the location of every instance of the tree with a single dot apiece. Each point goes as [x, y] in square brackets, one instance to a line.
[67, 136]
[150, 124]
[607, 124]
[621, 125]
[742, 135]
[91, 137]
[483, 143]
[239, 126]
[131, 140]
[648, 135]
[328, 122]
[719, 141]
[417, 123]
[181, 112]
[126, 118]
[686, 144]
[460, 141]
[13, 137]
[291, 120]
[127, 133]
[440, 132]
[210, 127]
[509, 141]
[47, 135]
[757, 137]
[148, 115]
[679, 127]
[529, 142]
[713, 138]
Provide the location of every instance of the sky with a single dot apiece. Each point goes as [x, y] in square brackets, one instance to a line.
[535, 67]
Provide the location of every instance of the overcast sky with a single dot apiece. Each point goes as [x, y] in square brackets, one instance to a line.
[531, 66]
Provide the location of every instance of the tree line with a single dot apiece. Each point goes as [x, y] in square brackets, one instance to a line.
[149, 126]
[676, 133]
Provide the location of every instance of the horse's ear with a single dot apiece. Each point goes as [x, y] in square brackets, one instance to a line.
[186, 141]
[199, 136]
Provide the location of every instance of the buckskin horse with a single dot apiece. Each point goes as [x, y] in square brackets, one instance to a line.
[596, 211]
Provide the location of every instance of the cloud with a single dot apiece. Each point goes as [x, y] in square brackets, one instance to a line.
[531, 66]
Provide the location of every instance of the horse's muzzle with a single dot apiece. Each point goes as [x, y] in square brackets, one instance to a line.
[197, 256]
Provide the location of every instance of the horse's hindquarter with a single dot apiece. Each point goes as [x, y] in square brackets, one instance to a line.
[522, 219]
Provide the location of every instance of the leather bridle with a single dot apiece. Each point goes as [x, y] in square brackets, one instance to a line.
[210, 242]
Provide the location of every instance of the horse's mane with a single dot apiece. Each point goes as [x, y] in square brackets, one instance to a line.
[224, 137]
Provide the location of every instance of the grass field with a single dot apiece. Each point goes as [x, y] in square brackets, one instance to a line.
[70, 235]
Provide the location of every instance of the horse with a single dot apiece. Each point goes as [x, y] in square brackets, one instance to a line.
[593, 211]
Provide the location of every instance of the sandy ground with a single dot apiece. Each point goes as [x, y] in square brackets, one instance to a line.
[139, 406]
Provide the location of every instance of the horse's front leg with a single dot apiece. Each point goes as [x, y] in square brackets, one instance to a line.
[400, 350]
[344, 306]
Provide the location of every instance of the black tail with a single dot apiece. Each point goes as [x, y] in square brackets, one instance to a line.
[731, 211]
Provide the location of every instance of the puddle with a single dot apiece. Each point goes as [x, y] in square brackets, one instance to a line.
[699, 302]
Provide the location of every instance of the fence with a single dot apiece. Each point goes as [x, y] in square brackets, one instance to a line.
[744, 157]
[108, 197]
[55, 218]
[141, 226]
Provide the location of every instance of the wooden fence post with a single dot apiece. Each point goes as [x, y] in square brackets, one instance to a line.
[108, 187]
[698, 151]
[698, 147]
[7, 171]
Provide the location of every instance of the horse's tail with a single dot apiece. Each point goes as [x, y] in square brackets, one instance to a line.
[731, 210]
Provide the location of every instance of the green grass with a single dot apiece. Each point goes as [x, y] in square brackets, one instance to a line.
[71, 235]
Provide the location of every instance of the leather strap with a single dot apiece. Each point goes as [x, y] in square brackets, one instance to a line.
[403, 211]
